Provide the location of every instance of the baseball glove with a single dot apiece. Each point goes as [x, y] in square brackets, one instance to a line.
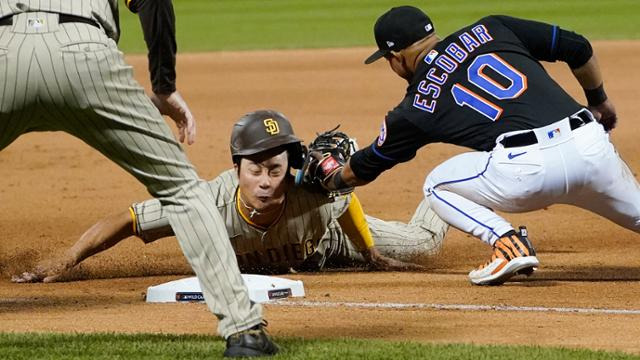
[326, 155]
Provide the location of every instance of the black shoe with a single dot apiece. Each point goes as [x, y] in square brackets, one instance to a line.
[253, 342]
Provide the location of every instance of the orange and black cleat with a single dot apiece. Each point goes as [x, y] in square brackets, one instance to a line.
[513, 254]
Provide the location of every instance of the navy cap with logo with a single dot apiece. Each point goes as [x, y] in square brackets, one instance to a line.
[398, 28]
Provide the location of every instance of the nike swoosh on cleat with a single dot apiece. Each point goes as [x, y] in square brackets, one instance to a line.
[512, 156]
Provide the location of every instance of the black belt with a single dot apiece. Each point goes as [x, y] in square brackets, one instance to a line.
[529, 138]
[64, 18]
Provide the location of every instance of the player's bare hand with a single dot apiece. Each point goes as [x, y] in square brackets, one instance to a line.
[174, 106]
[45, 273]
[34, 276]
[379, 262]
[38, 274]
[605, 113]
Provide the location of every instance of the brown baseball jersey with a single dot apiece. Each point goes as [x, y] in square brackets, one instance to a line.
[306, 236]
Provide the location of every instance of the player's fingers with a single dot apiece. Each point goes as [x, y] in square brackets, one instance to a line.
[51, 278]
[609, 122]
[26, 277]
[191, 128]
[415, 267]
[16, 279]
[185, 121]
[407, 266]
[175, 107]
[384, 263]
[181, 132]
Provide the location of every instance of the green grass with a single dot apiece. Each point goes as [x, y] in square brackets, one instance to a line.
[154, 346]
[209, 25]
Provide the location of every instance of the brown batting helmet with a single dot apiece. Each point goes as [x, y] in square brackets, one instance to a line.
[264, 130]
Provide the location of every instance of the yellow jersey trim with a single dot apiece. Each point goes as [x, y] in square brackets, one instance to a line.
[354, 224]
[133, 220]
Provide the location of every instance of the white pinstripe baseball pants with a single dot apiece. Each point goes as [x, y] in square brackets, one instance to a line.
[71, 77]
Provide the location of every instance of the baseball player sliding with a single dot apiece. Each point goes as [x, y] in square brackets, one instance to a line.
[483, 87]
[273, 225]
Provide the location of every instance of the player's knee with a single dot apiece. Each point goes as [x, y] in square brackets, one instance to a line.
[635, 226]
[430, 182]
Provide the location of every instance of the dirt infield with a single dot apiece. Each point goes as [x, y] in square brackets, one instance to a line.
[53, 187]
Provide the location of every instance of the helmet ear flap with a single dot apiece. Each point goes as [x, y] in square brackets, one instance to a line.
[297, 154]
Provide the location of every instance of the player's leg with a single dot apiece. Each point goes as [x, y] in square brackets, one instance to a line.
[609, 187]
[13, 124]
[91, 94]
[422, 236]
[620, 202]
[459, 192]
[463, 191]
[16, 96]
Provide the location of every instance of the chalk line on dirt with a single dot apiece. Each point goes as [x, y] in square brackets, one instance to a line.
[459, 307]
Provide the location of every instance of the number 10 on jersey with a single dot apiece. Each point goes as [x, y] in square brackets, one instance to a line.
[476, 76]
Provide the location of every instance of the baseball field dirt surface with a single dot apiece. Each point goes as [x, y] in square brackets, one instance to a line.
[53, 187]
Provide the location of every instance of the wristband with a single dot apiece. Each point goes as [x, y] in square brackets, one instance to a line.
[595, 96]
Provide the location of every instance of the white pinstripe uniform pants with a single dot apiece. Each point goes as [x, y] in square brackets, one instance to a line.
[71, 77]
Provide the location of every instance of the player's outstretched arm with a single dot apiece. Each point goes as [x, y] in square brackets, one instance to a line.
[101, 236]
